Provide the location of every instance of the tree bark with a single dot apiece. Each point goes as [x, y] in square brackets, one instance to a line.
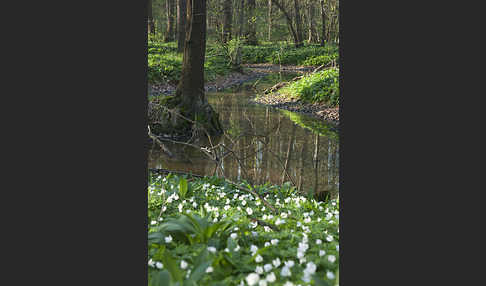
[151, 24]
[227, 20]
[312, 25]
[298, 24]
[242, 18]
[190, 100]
[170, 9]
[181, 24]
[269, 20]
[323, 15]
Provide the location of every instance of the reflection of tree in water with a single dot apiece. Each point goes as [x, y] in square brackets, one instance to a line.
[260, 146]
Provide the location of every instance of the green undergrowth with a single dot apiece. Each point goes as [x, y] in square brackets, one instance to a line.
[310, 55]
[164, 63]
[209, 232]
[322, 87]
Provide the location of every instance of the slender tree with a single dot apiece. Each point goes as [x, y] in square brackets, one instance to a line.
[323, 15]
[298, 24]
[251, 32]
[269, 20]
[242, 18]
[181, 24]
[227, 19]
[151, 25]
[170, 9]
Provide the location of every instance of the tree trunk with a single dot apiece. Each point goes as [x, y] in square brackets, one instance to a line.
[190, 100]
[181, 24]
[251, 32]
[242, 18]
[269, 20]
[312, 25]
[170, 9]
[151, 24]
[298, 24]
[323, 15]
[227, 20]
[289, 21]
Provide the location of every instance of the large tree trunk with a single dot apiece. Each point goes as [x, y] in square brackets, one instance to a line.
[151, 24]
[227, 20]
[298, 24]
[190, 100]
[181, 24]
[170, 9]
[251, 32]
[323, 15]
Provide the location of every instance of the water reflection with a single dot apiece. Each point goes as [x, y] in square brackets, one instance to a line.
[261, 145]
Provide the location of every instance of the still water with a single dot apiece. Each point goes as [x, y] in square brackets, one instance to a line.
[262, 145]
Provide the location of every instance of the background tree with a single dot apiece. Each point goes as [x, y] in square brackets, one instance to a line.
[181, 24]
[170, 10]
[251, 37]
[227, 20]
[151, 24]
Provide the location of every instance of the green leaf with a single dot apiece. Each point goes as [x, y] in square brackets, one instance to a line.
[171, 265]
[183, 187]
[161, 278]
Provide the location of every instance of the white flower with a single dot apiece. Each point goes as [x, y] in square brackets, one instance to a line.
[249, 211]
[234, 235]
[267, 267]
[267, 229]
[283, 215]
[279, 221]
[288, 283]
[259, 270]
[258, 259]
[276, 262]
[302, 260]
[153, 222]
[271, 277]
[274, 241]
[285, 271]
[318, 241]
[243, 203]
[183, 264]
[252, 279]
[168, 239]
[307, 220]
[226, 207]
[151, 262]
[237, 248]
[329, 238]
[331, 258]
[330, 275]
[253, 249]
[337, 247]
[262, 283]
[194, 205]
[212, 249]
[311, 268]
[209, 269]
[289, 263]
[159, 265]
[322, 252]
[267, 244]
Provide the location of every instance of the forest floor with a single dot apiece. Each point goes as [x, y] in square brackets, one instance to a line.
[276, 100]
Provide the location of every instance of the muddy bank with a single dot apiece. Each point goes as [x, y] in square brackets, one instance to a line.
[231, 80]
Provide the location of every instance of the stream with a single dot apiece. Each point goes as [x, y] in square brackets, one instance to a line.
[263, 144]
